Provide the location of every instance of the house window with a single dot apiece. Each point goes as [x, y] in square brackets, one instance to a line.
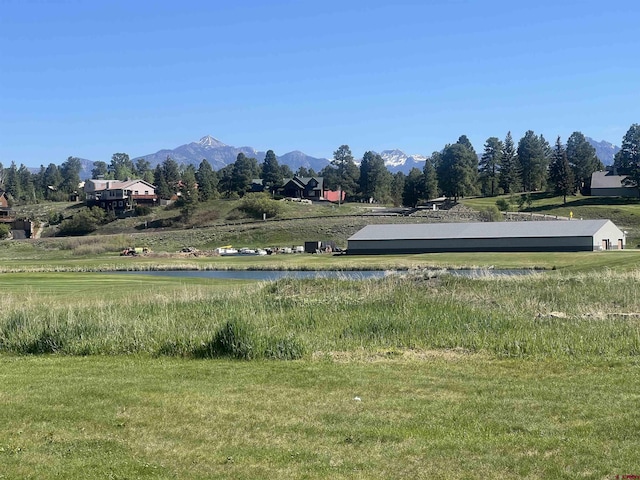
[120, 203]
[146, 192]
[135, 192]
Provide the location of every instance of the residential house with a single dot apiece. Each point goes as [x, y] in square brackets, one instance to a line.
[310, 188]
[119, 195]
[611, 183]
[6, 213]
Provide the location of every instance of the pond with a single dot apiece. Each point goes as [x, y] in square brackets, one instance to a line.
[270, 275]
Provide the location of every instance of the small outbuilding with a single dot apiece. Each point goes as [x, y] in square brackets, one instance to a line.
[528, 236]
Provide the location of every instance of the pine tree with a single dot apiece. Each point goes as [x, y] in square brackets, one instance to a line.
[430, 177]
[583, 160]
[413, 188]
[509, 167]
[560, 172]
[628, 158]
[490, 166]
[347, 171]
[207, 181]
[271, 171]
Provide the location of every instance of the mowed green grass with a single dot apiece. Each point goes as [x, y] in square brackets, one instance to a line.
[438, 416]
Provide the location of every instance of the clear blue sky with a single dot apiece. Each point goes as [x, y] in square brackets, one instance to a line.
[91, 78]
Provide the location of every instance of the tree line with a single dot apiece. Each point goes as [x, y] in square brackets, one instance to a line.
[503, 167]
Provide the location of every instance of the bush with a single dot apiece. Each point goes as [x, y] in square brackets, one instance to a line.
[503, 204]
[142, 210]
[491, 214]
[4, 231]
[55, 218]
[257, 204]
[86, 220]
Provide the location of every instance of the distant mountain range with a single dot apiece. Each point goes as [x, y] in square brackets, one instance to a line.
[219, 154]
[604, 150]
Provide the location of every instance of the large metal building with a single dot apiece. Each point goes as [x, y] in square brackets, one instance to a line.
[532, 236]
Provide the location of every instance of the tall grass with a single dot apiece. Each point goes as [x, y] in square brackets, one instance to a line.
[549, 315]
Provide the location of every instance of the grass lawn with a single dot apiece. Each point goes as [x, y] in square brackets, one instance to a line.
[430, 415]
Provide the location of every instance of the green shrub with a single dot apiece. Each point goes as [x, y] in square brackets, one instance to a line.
[142, 210]
[491, 214]
[258, 204]
[4, 231]
[85, 220]
[55, 218]
[503, 204]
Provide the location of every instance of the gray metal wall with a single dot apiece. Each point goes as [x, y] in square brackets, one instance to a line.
[614, 192]
[524, 244]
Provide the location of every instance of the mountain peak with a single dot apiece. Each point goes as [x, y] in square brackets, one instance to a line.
[209, 141]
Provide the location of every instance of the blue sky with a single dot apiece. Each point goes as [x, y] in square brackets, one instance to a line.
[91, 78]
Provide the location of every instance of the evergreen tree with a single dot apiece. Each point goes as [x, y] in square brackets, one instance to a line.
[490, 166]
[12, 182]
[100, 170]
[397, 188]
[142, 167]
[242, 174]
[271, 171]
[431, 177]
[583, 160]
[509, 167]
[28, 193]
[121, 166]
[560, 172]
[347, 171]
[70, 171]
[457, 171]
[225, 177]
[171, 173]
[375, 179]
[188, 193]
[52, 181]
[413, 188]
[163, 189]
[628, 158]
[533, 159]
[207, 181]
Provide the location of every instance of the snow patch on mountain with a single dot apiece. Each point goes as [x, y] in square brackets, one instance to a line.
[209, 141]
[396, 160]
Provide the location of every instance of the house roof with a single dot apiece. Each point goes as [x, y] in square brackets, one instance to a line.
[607, 180]
[117, 184]
[424, 231]
[302, 182]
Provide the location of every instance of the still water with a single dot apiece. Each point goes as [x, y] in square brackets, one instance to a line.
[269, 275]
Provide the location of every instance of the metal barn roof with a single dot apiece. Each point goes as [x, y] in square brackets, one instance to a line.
[607, 180]
[533, 229]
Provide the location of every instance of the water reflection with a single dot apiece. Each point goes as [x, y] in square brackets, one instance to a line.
[270, 275]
